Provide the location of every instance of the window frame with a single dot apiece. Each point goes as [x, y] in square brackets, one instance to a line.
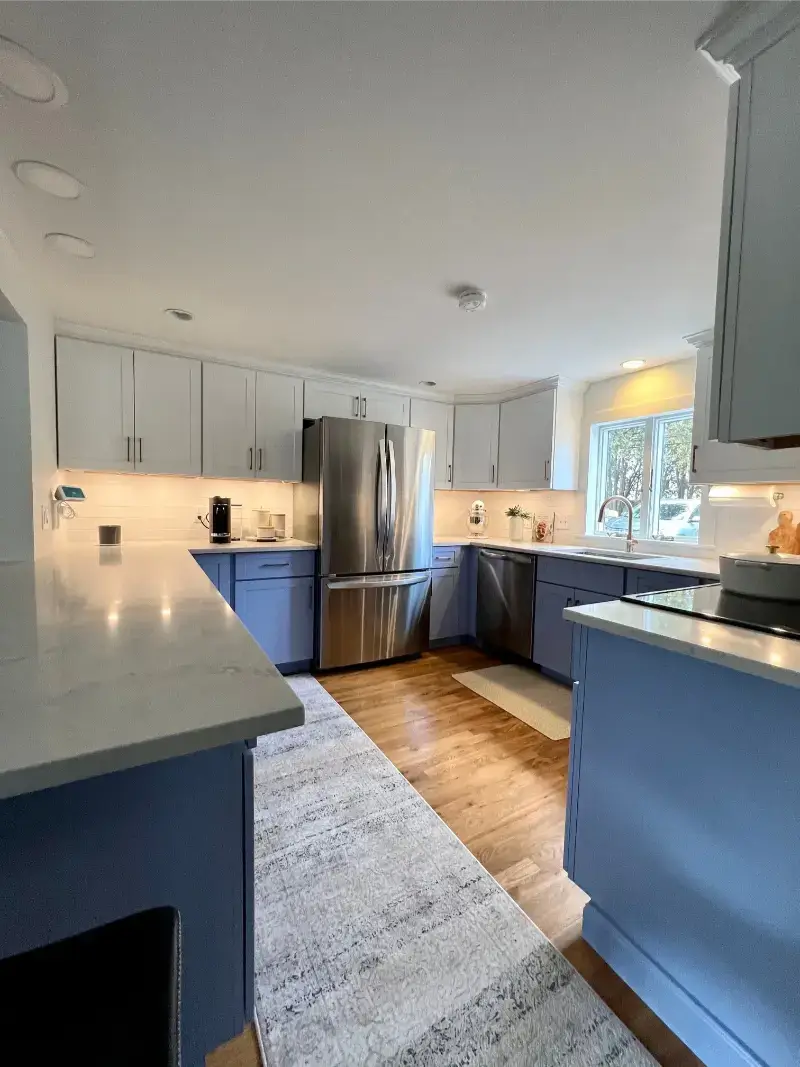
[651, 484]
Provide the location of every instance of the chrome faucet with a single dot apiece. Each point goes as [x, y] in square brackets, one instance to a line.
[629, 541]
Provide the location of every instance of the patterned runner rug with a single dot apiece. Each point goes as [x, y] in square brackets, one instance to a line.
[380, 939]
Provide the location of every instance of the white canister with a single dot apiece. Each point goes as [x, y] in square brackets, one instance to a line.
[515, 527]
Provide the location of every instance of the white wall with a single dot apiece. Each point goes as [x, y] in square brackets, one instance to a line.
[452, 507]
[38, 468]
[155, 508]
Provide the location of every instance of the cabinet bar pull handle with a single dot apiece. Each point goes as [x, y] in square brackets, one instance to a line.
[311, 596]
[259, 458]
[493, 472]
[250, 459]
[363, 407]
[128, 459]
[694, 459]
[546, 469]
[140, 450]
[284, 564]
[449, 472]
[355, 406]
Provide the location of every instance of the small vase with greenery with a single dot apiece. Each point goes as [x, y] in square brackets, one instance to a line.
[516, 521]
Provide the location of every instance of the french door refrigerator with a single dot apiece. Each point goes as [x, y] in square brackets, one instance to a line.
[367, 498]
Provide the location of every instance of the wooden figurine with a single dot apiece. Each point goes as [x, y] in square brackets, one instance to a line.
[784, 536]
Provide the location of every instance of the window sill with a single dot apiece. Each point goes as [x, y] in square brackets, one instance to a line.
[655, 548]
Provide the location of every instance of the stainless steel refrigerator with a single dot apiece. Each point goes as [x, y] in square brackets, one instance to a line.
[367, 499]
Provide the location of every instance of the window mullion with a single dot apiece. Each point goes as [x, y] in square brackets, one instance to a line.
[647, 478]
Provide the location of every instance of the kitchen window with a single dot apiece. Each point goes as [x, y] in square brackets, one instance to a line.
[648, 461]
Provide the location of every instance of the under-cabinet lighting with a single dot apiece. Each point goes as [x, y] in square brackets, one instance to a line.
[742, 496]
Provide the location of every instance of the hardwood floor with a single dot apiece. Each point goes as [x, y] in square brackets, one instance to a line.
[501, 787]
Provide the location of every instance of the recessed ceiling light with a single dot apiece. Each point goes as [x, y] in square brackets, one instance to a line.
[179, 314]
[70, 245]
[26, 77]
[429, 384]
[632, 364]
[47, 178]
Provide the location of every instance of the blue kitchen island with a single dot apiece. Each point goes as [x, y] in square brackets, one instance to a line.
[129, 697]
[683, 823]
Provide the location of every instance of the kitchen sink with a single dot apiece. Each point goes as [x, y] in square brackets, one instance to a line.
[613, 553]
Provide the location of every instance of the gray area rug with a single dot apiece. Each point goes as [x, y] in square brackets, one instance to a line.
[380, 939]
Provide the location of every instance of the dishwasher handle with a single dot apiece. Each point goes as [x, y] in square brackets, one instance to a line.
[525, 561]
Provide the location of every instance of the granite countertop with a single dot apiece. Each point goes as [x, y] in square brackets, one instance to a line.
[748, 651]
[115, 657]
[693, 565]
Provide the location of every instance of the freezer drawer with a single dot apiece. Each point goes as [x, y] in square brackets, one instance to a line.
[367, 618]
[505, 600]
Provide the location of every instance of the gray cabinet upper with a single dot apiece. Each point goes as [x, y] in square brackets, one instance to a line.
[756, 366]
[439, 417]
[343, 400]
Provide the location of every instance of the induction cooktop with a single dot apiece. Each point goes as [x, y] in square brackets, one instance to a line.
[711, 602]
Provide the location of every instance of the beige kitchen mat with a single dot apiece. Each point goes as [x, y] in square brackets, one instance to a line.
[526, 694]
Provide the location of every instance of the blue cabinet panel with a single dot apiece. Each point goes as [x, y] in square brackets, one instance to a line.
[279, 613]
[599, 577]
[445, 613]
[645, 581]
[446, 556]
[252, 565]
[217, 566]
[552, 634]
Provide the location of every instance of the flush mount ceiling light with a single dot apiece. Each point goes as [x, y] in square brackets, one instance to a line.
[633, 364]
[429, 384]
[472, 300]
[47, 178]
[69, 245]
[179, 314]
[24, 76]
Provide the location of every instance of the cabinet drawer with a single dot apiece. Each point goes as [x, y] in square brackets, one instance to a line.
[446, 556]
[595, 577]
[646, 581]
[251, 565]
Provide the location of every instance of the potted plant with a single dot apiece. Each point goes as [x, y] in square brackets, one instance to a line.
[516, 521]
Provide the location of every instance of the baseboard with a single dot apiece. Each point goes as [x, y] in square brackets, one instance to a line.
[451, 642]
[300, 666]
[715, 1045]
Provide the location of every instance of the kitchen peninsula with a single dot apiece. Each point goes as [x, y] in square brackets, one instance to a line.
[682, 822]
[129, 693]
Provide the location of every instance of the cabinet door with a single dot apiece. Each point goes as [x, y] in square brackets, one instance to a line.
[279, 613]
[377, 406]
[217, 567]
[552, 634]
[433, 415]
[95, 405]
[445, 620]
[760, 370]
[338, 399]
[279, 427]
[475, 446]
[229, 415]
[526, 441]
[167, 414]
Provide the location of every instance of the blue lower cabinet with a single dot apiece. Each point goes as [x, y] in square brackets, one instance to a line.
[217, 566]
[646, 581]
[552, 634]
[445, 599]
[279, 613]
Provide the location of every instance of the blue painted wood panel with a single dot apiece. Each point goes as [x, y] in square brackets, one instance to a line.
[279, 613]
[645, 581]
[552, 634]
[173, 832]
[218, 567]
[577, 574]
[685, 836]
[253, 565]
[445, 617]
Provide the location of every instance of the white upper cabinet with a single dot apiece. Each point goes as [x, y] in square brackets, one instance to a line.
[229, 421]
[167, 414]
[95, 405]
[755, 382]
[475, 446]
[433, 415]
[380, 406]
[337, 399]
[279, 427]
[526, 441]
[724, 463]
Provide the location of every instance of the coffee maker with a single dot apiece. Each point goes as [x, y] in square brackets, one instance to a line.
[219, 520]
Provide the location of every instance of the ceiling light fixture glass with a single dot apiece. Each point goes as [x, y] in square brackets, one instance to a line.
[632, 364]
[27, 78]
[179, 314]
[69, 245]
[429, 384]
[47, 178]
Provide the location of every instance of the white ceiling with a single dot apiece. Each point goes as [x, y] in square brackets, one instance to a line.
[311, 179]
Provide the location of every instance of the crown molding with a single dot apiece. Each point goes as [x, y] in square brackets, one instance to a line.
[701, 339]
[743, 30]
[540, 386]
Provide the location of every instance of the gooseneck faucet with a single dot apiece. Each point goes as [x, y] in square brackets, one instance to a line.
[629, 541]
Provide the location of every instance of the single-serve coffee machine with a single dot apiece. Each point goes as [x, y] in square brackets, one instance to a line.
[218, 520]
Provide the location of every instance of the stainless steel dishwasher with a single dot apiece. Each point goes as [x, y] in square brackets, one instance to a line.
[505, 600]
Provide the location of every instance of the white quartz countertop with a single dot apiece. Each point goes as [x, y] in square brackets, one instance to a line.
[291, 544]
[776, 658]
[693, 565]
[115, 657]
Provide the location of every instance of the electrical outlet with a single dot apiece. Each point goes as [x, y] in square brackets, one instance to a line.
[562, 522]
[45, 516]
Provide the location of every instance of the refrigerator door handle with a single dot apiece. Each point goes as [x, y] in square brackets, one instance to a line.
[391, 511]
[378, 581]
[381, 507]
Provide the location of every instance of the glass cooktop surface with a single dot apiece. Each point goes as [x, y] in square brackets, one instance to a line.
[711, 602]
